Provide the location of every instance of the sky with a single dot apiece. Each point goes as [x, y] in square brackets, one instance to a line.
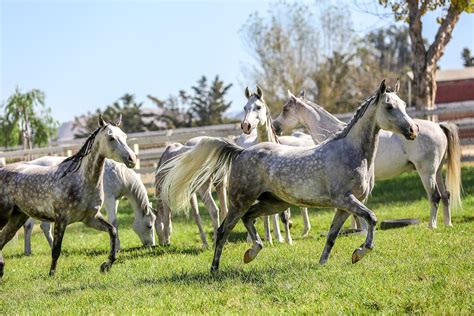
[86, 54]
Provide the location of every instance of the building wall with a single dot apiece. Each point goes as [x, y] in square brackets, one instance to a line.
[455, 91]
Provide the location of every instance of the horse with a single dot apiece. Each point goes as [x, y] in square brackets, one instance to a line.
[163, 224]
[257, 117]
[436, 144]
[119, 181]
[64, 194]
[337, 173]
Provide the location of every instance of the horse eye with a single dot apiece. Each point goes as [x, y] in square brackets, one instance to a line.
[389, 107]
[111, 138]
[285, 109]
[258, 107]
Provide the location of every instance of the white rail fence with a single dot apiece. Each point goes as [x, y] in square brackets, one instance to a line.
[150, 145]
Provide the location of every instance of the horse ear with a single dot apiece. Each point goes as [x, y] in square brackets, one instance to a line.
[302, 94]
[397, 85]
[259, 92]
[383, 87]
[290, 95]
[102, 122]
[247, 92]
[118, 121]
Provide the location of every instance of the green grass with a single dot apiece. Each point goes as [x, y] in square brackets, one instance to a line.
[411, 270]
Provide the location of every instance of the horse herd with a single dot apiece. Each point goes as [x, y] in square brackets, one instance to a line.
[258, 174]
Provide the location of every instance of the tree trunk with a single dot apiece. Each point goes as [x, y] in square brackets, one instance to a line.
[425, 92]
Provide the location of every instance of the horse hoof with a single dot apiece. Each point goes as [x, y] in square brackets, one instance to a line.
[105, 267]
[247, 256]
[205, 246]
[52, 273]
[359, 253]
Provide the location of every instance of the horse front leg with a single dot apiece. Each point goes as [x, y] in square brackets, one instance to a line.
[59, 229]
[266, 227]
[285, 219]
[339, 218]
[14, 223]
[98, 222]
[352, 205]
[111, 207]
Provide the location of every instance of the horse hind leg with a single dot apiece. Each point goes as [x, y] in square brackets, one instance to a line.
[16, 220]
[46, 228]
[266, 227]
[429, 183]
[28, 230]
[276, 228]
[285, 219]
[445, 198]
[197, 219]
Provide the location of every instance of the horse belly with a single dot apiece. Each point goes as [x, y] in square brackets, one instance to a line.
[391, 159]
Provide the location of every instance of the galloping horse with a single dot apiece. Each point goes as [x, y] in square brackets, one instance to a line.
[436, 143]
[119, 181]
[338, 173]
[64, 194]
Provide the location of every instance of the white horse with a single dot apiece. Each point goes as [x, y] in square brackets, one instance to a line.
[119, 181]
[436, 143]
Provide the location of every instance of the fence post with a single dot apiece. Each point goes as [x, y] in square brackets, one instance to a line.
[136, 150]
[3, 163]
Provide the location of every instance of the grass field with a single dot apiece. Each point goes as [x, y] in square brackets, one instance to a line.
[411, 270]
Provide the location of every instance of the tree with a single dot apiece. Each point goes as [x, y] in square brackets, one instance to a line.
[285, 48]
[468, 58]
[175, 110]
[27, 120]
[132, 116]
[426, 56]
[207, 102]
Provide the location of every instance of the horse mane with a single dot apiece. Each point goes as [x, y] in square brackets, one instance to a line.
[356, 117]
[272, 136]
[319, 108]
[76, 160]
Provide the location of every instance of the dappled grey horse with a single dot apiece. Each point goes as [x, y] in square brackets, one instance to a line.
[64, 194]
[257, 117]
[338, 173]
[119, 181]
[435, 144]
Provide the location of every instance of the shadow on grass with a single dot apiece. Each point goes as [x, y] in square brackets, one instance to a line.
[251, 277]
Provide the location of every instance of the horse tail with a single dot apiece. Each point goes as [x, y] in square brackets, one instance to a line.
[453, 177]
[184, 174]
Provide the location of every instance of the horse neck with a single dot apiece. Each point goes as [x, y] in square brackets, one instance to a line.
[92, 166]
[363, 135]
[320, 129]
[265, 132]
[135, 192]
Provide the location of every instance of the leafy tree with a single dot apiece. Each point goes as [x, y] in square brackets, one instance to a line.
[207, 102]
[426, 56]
[285, 48]
[175, 109]
[132, 116]
[27, 120]
[467, 57]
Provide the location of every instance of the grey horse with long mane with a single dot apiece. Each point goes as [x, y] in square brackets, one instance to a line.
[64, 194]
[436, 144]
[119, 181]
[337, 173]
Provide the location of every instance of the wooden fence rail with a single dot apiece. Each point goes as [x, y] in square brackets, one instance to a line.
[149, 146]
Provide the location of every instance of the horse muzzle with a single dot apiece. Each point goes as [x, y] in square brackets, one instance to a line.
[131, 161]
[246, 127]
[277, 128]
[412, 131]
